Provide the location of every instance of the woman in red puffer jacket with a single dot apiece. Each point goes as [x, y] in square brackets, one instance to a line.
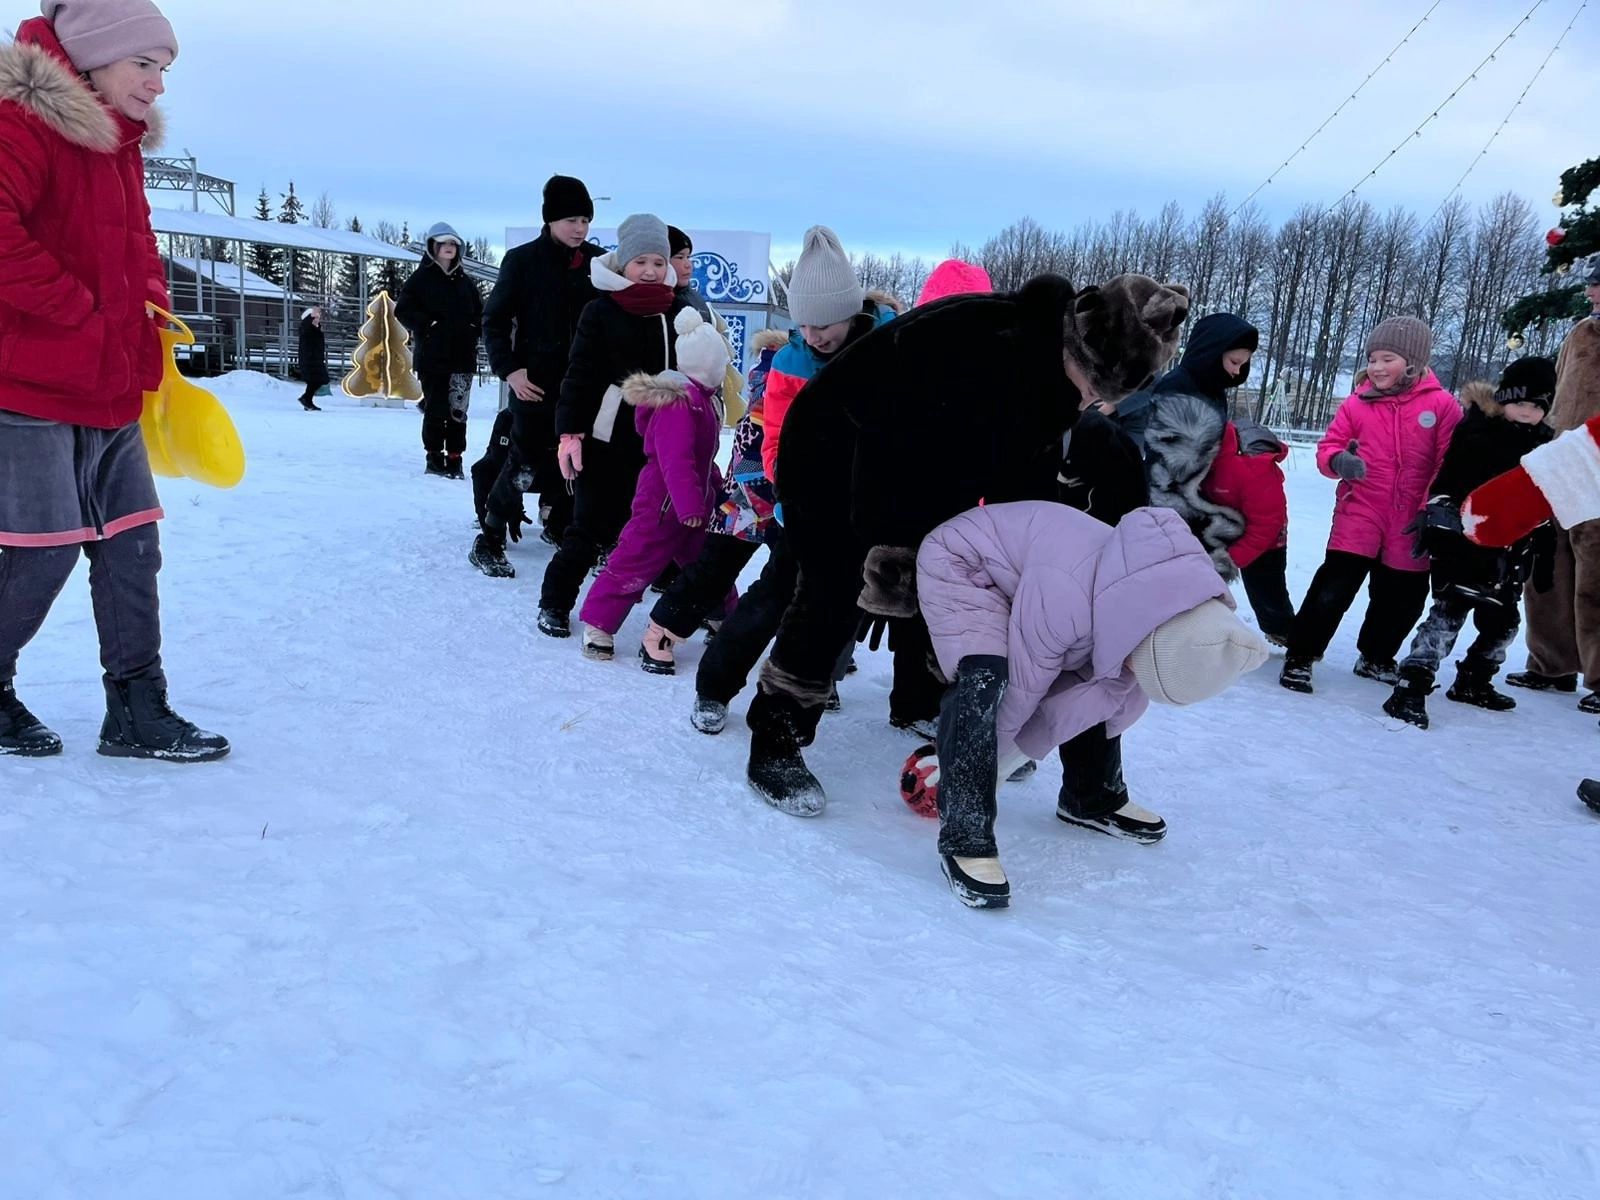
[1247, 478]
[78, 348]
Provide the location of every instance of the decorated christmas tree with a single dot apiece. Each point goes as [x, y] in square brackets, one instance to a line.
[382, 362]
[1575, 237]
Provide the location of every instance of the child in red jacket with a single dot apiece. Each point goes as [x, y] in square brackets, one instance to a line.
[1246, 478]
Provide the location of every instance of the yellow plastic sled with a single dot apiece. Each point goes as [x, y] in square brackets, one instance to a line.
[186, 430]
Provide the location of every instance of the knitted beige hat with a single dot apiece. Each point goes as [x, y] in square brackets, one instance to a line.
[97, 33]
[1196, 655]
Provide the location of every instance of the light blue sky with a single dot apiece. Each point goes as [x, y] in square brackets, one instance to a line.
[903, 126]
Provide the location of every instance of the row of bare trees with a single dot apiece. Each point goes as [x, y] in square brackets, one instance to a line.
[1314, 285]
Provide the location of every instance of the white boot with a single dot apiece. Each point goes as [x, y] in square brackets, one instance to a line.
[598, 644]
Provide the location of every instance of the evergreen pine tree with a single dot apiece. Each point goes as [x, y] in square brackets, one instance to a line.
[349, 275]
[1579, 238]
[261, 259]
[297, 263]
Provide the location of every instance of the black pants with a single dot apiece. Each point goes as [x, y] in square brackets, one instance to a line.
[122, 587]
[1395, 600]
[502, 466]
[1266, 586]
[699, 589]
[745, 635]
[1091, 774]
[533, 432]
[918, 691]
[1497, 625]
[601, 501]
[443, 431]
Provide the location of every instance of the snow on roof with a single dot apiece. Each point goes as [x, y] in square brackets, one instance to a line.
[273, 233]
[227, 276]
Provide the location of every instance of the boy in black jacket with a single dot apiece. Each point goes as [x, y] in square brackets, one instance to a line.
[1469, 580]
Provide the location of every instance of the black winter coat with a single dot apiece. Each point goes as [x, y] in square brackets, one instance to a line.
[1483, 446]
[961, 400]
[313, 354]
[534, 309]
[444, 313]
[612, 344]
[1103, 471]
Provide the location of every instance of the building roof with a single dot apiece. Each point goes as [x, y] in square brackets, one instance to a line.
[227, 276]
[185, 223]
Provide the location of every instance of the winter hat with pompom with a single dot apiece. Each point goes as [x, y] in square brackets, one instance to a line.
[97, 33]
[1196, 655]
[953, 277]
[702, 352]
[824, 289]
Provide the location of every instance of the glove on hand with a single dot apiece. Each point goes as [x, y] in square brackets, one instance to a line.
[890, 582]
[1347, 464]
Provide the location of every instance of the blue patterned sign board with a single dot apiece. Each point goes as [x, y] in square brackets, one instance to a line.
[730, 270]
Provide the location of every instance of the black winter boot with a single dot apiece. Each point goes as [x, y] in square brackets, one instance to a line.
[488, 554]
[777, 770]
[1589, 793]
[1296, 674]
[435, 464]
[453, 468]
[709, 716]
[555, 623]
[1474, 685]
[1378, 672]
[141, 724]
[1409, 703]
[1536, 682]
[22, 733]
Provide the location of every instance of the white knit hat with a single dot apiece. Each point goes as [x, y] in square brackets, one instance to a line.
[824, 289]
[1196, 655]
[701, 352]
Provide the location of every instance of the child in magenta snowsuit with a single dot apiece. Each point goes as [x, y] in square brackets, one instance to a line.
[1385, 446]
[680, 423]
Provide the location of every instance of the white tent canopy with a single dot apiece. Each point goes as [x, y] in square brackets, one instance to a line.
[185, 223]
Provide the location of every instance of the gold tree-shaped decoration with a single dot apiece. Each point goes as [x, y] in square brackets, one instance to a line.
[382, 362]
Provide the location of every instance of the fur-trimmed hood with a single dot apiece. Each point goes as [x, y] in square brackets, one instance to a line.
[1480, 395]
[769, 339]
[37, 76]
[644, 390]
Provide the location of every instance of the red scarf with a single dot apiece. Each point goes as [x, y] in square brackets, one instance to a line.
[645, 299]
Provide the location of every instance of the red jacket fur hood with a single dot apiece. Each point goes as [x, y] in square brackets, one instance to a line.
[76, 344]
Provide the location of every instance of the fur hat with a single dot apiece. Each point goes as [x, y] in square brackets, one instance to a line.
[566, 197]
[824, 289]
[1530, 380]
[1409, 337]
[1196, 655]
[97, 33]
[642, 233]
[1589, 271]
[1125, 331]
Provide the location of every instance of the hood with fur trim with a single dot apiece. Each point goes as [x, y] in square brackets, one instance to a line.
[37, 76]
[769, 339]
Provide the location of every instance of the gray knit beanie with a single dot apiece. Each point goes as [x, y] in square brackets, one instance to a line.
[641, 233]
[824, 289]
[1408, 337]
[97, 33]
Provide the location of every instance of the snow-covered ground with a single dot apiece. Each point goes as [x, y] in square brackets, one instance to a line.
[466, 915]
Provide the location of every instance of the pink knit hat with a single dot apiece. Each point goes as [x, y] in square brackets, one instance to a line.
[97, 33]
[953, 277]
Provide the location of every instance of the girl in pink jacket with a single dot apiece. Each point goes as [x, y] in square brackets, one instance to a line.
[1385, 447]
[1058, 631]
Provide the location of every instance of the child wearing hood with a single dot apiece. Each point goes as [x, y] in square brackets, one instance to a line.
[442, 309]
[678, 419]
[1385, 446]
[1059, 631]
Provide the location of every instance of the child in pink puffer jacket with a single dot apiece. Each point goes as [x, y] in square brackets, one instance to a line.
[1385, 447]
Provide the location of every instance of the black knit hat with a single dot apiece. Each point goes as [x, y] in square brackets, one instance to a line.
[1529, 380]
[566, 197]
[678, 240]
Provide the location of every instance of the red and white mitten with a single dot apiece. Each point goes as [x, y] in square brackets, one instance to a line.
[919, 782]
[1560, 479]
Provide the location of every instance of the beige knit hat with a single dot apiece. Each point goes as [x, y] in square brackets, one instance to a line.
[97, 33]
[1196, 655]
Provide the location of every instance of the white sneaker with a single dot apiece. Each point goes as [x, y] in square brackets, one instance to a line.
[1130, 821]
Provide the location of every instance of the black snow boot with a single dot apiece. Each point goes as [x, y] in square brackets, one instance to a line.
[1589, 793]
[777, 771]
[435, 464]
[141, 724]
[1296, 674]
[488, 554]
[555, 623]
[1409, 703]
[1590, 704]
[22, 733]
[1536, 682]
[1378, 672]
[453, 468]
[1474, 685]
[709, 716]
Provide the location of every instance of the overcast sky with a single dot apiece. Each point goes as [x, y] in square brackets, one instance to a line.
[904, 126]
